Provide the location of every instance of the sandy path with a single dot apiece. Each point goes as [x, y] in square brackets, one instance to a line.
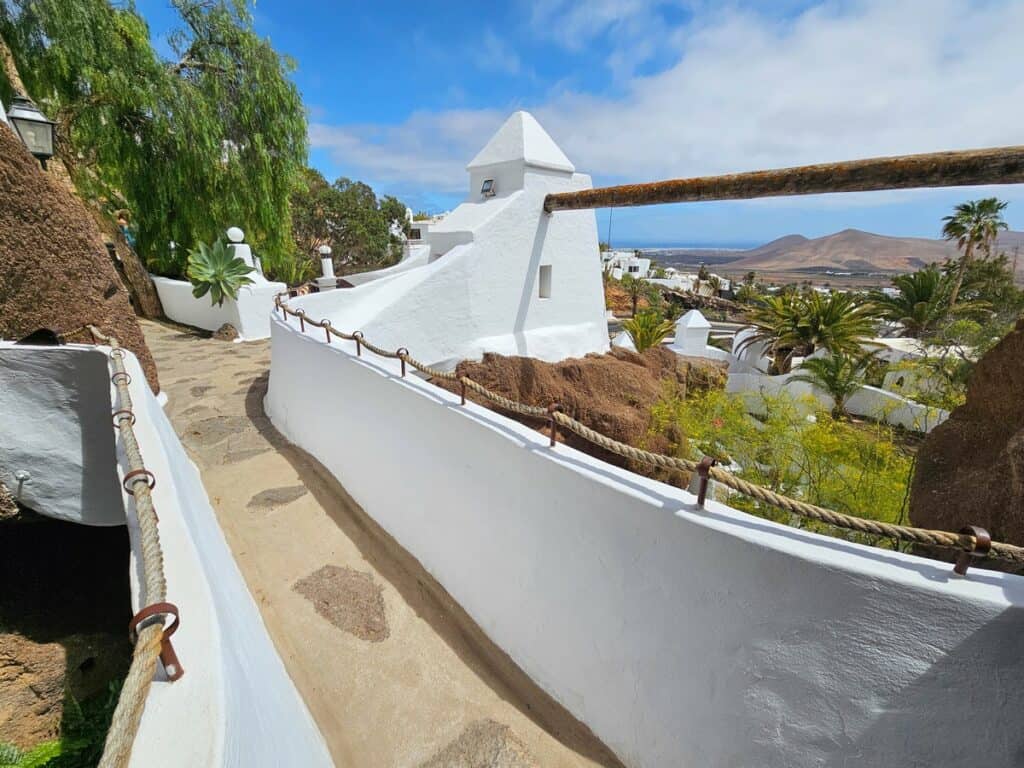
[392, 669]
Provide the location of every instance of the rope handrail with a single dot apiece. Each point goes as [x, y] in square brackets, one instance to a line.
[152, 640]
[974, 543]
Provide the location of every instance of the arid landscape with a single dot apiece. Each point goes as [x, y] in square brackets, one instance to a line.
[850, 258]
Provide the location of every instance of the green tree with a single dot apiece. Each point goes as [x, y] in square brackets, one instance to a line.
[648, 329]
[797, 324]
[922, 304]
[363, 231]
[840, 375]
[635, 289]
[212, 138]
[973, 225]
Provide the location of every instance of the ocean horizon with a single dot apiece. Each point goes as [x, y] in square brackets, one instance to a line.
[734, 246]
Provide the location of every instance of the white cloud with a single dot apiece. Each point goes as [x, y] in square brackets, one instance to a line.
[838, 81]
[495, 55]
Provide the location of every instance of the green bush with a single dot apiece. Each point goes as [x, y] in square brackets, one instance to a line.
[854, 468]
[216, 271]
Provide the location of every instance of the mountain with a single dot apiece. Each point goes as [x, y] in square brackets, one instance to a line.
[848, 251]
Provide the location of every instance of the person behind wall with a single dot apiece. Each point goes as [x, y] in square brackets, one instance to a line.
[127, 231]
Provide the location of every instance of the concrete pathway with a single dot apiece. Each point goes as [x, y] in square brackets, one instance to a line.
[392, 669]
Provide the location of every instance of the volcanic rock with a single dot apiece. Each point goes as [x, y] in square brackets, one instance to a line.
[226, 332]
[54, 271]
[610, 393]
[970, 469]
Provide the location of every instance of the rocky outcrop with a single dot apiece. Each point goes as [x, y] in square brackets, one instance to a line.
[54, 271]
[970, 469]
[611, 393]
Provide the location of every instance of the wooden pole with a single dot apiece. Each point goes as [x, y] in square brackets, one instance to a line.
[1000, 165]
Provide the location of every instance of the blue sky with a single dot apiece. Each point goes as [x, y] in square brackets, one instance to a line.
[402, 95]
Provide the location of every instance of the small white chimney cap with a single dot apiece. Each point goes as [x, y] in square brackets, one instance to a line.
[324, 250]
[235, 235]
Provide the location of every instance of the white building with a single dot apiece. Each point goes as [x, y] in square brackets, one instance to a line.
[621, 263]
[496, 274]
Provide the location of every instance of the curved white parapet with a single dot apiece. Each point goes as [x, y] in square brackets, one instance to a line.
[249, 314]
[416, 255]
[680, 636]
[235, 705]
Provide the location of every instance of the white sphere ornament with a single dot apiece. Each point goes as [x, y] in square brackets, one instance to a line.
[325, 250]
[235, 235]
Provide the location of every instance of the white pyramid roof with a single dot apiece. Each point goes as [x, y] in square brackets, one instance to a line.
[522, 138]
[693, 319]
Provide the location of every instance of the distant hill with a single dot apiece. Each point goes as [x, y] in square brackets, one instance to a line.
[851, 250]
[848, 251]
[855, 251]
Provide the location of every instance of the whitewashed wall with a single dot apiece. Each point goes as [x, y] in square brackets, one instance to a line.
[681, 637]
[249, 314]
[235, 705]
[55, 425]
[870, 402]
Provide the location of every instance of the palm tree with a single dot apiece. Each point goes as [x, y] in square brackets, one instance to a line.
[797, 324]
[922, 305]
[634, 289]
[715, 284]
[648, 329]
[973, 224]
[838, 374]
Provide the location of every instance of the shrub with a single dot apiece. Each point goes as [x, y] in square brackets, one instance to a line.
[648, 329]
[216, 271]
[857, 469]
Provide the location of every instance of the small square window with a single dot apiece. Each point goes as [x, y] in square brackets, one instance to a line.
[488, 189]
[545, 281]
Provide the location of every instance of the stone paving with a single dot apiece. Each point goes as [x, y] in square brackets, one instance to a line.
[392, 669]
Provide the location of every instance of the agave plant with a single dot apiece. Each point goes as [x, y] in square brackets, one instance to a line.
[648, 329]
[216, 271]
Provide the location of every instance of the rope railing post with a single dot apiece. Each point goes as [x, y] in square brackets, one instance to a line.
[704, 472]
[358, 336]
[327, 330]
[980, 548]
[302, 319]
[552, 424]
[402, 353]
[462, 390]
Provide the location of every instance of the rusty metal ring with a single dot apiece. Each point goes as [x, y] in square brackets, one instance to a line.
[357, 335]
[138, 473]
[127, 377]
[326, 324]
[982, 539]
[156, 609]
[555, 407]
[402, 353]
[117, 352]
[121, 411]
[300, 312]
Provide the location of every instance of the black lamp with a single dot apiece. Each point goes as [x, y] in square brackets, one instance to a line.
[32, 127]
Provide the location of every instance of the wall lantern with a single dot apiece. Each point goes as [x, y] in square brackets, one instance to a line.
[488, 189]
[32, 127]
